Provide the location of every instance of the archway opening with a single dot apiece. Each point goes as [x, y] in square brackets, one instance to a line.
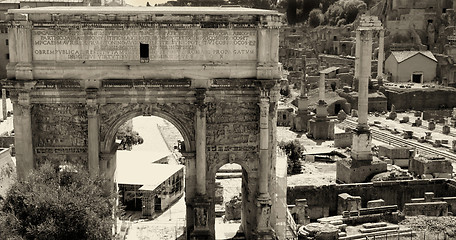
[230, 193]
[150, 178]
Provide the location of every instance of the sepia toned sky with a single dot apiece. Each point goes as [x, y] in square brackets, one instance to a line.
[143, 2]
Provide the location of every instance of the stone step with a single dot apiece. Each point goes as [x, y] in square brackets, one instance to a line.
[374, 225]
[378, 229]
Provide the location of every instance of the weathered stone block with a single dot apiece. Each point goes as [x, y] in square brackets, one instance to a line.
[446, 129]
[431, 125]
[218, 193]
[418, 122]
[233, 209]
[346, 202]
[428, 209]
[405, 119]
[350, 171]
[408, 134]
[376, 203]
[343, 140]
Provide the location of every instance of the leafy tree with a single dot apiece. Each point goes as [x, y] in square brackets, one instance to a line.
[344, 9]
[55, 204]
[316, 17]
[291, 12]
[127, 136]
[333, 14]
[293, 150]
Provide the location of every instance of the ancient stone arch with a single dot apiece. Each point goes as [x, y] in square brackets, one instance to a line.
[76, 74]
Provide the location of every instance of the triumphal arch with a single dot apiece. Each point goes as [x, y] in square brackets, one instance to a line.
[76, 74]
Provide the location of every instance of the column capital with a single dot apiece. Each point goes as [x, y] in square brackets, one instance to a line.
[92, 110]
[200, 95]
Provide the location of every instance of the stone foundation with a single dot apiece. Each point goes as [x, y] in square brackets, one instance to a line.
[321, 128]
[349, 171]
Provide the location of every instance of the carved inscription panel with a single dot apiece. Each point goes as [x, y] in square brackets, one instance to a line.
[60, 133]
[61, 44]
[233, 126]
[232, 133]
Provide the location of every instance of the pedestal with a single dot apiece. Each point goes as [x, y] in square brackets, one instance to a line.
[302, 115]
[264, 230]
[201, 205]
[353, 171]
[361, 145]
[321, 128]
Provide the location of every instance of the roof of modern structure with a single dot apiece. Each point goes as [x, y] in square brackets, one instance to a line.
[401, 56]
[330, 69]
[222, 10]
[133, 170]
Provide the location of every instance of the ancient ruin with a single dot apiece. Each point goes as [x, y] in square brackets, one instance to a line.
[77, 74]
[361, 165]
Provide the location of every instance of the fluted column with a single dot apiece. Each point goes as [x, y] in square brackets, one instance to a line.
[93, 140]
[200, 133]
[365, 72]
[381, 53]
[264, 146]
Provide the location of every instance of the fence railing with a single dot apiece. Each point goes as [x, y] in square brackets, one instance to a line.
[401, 234]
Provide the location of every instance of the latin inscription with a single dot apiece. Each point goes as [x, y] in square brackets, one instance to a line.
[124, 44]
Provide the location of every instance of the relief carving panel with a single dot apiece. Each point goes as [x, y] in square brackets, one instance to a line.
[110, 114]
[232, 133]
[60, 133]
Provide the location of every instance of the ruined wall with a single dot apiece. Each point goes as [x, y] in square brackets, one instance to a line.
[60, 133]
[421, 99]
[393, 192]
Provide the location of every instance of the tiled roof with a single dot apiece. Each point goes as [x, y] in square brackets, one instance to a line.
[404, 55]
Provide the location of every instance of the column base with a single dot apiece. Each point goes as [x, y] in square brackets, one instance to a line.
[301, 121]
[321, 128]
[201, 205]
[353, 171]
[24, 71]
[264, 230]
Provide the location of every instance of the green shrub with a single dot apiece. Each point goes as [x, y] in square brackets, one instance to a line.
[293, 150]
[53, 204]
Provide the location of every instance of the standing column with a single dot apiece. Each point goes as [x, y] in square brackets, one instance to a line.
[25, 161]
[357, 53]
[303, 90]
[321, 87]
[93, 139]
[264, 147]
[200, 133]
[4, 104]
[381, 53]
[366, 58]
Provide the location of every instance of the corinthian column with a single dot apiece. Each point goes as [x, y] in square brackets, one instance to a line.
[93, 139]
[264, 145]
[381, 53]
[365, 72]
[200, 133]
[357, 53]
